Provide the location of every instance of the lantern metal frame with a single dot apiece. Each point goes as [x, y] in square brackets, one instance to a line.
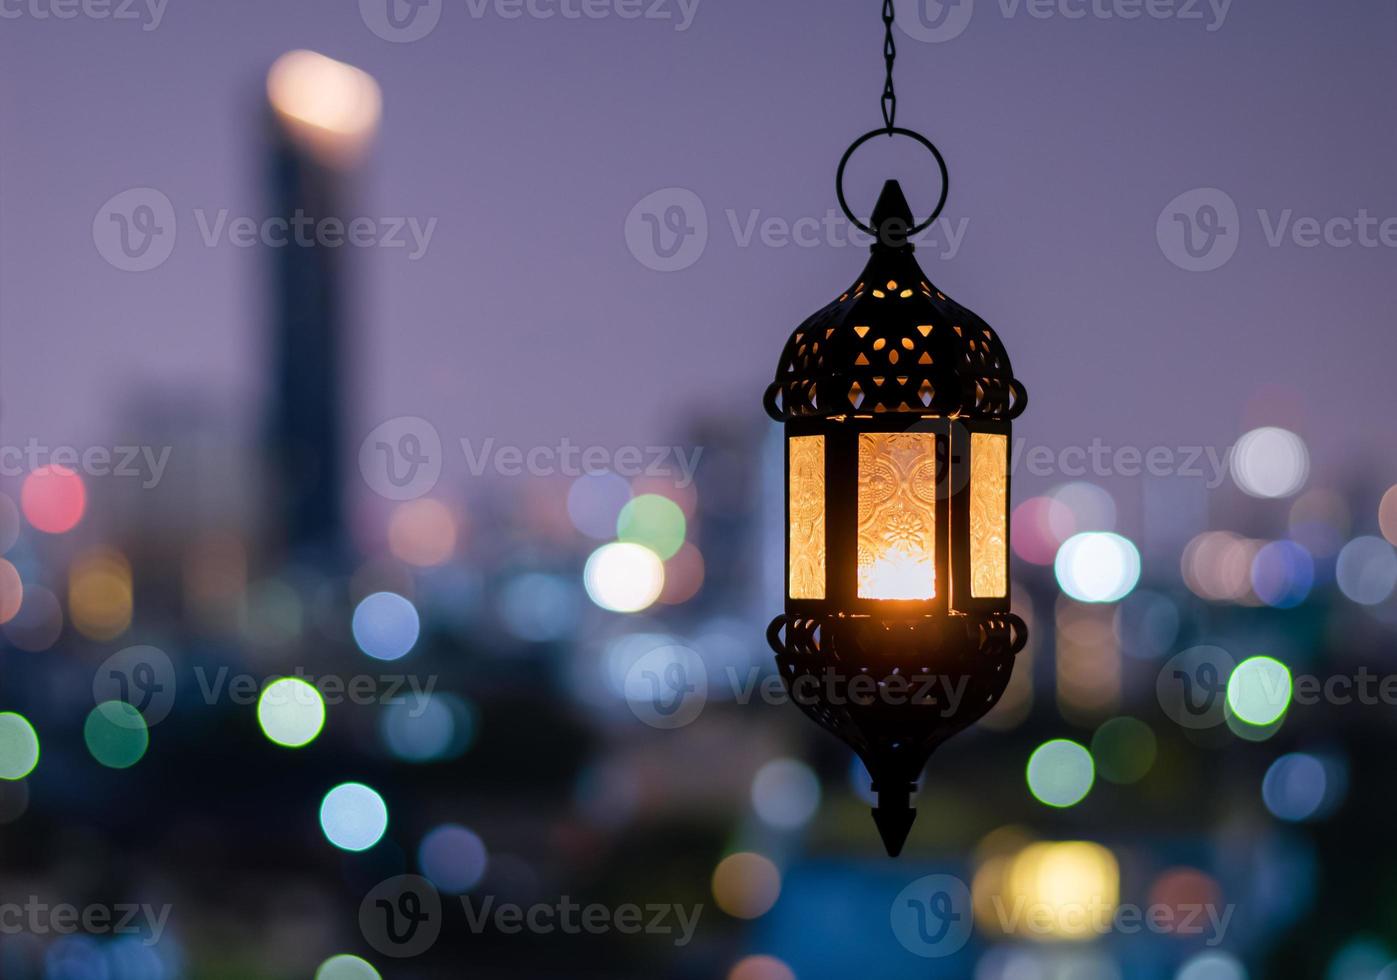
[894, 354]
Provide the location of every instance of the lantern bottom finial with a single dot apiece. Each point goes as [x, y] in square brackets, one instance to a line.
[894, 816]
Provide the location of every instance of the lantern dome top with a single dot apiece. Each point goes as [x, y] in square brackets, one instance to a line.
[894, 344]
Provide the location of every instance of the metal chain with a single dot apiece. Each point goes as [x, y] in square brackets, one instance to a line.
[889, 56]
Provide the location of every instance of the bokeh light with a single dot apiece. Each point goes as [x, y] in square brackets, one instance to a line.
[594, 503]
[683, 576]
[452, 858]
[53, 499]
[1320, 520]
[346, 967]
[1282, 574]
[1038, 528]
[116, 734]
[761, 968]
[1270, 462]
[786, 793]
[653, 521]
[385, 625]
[353, 817]
[1091, 508]
[1058, 880]
[1147, 624]
[1060, 773]
[291, 712]
[19, 746]
[1296, 787]
[1217, 566]
[1259, 691]
[427, 727]
[38, 622]
[1097, 567]
[539, 606]
[1124, 749]
[100, 595]
[1387, 515]
[1212, 966]
[1367, 570]
[624, 577]
[746, 885]
[11, 591]
[422, 532]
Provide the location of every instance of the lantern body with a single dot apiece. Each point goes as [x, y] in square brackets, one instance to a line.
[897, 404]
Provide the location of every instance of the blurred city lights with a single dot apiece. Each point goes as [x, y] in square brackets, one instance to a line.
[353, 817]
[683, 576]
[1038, 528]
[19, 746]
[1387, 515]
[1124, 749]
[427, 728]
[1297, 787]
[653, 521]
[1182, 889]
[1059, 881]
[38, 622]
[1097, 567]
[332, 107]
[116, 734]
[624, 577]
[1270, 462]
[761, 968]
[1282, 574]
[100, 595]
[422, 533]
[291, 712]
[786, 793]
[1320, 520]
[1217, 565]
[594, 503]
[1259, 691]
[53, 499]
[1089, 508]
[452, 858]
[11, 592]
[1060, 773]
[1212, 966]
[746, 885]
[1147, 624]
[385, 625]
[540, 606]
[1367, 570]
[346, 967]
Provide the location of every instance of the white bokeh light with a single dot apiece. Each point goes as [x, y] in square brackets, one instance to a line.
[624, 577]
[1097, 567]
[1270, 462]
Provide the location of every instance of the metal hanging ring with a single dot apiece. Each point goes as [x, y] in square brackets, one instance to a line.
[893, 131]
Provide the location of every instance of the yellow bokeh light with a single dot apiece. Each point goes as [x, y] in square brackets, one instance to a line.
[99, 595]
[1048, 892]
[746, 885]
[422, 533]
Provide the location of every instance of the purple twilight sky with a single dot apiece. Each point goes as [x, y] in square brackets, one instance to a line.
[530, 140]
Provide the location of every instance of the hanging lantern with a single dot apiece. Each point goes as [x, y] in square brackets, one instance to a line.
[897, 403]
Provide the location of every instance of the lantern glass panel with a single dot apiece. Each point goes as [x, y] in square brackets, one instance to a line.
[897, 515]
[807, 517]
[989, 517]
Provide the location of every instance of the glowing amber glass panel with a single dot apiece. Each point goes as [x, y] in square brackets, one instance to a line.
[897, 515]
[989, 515]
[807, 542]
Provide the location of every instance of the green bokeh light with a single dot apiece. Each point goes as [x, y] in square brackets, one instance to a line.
[1060, 773]
[291, 712]
[116, 734]
[1124, 749]
[1259, 690]
[19, 746]
[346, 967]
[654, 521]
